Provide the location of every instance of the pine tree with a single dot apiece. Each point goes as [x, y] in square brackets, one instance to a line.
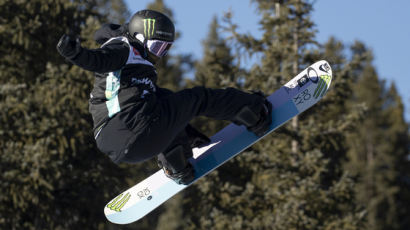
[217, 67]
[216, 70]
[294, 178]
[51, 171]
[379, 146]
[397, 196]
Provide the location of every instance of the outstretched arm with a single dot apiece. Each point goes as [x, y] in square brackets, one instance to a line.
[111, 57]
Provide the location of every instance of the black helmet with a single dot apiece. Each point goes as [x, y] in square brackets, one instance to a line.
[152, 25]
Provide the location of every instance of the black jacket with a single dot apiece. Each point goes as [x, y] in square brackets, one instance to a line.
[124, 79]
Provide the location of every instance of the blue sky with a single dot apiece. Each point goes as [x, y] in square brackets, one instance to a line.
[382, 25]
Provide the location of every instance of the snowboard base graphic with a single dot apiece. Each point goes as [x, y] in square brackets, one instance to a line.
[299, 94]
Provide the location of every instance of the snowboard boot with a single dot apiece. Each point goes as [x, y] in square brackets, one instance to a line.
[176, 166]
[256, 120]
[174, 160]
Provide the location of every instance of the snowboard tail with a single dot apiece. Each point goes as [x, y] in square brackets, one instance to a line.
[299, 94]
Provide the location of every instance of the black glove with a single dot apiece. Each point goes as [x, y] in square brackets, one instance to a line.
[69, 46]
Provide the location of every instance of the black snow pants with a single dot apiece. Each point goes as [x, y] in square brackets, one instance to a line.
[123, 141]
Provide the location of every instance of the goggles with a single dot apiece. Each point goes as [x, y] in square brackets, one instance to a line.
[158, 48]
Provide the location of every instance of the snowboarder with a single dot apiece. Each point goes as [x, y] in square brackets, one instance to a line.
[134, 119]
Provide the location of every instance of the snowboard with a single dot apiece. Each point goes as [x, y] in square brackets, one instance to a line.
[299, 94]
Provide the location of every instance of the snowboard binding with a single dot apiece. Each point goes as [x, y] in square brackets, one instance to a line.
[176, 166]
[256, 120]
[174, 160]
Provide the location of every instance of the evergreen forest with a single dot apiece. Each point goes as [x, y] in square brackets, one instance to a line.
[341, 165]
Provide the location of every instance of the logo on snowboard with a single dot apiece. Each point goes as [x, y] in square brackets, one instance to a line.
[322, 86]
[144, 193]
[324, 67]
[118, 203]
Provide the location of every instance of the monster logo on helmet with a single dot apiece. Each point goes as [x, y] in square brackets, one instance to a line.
[154, 30]
[149, 27]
